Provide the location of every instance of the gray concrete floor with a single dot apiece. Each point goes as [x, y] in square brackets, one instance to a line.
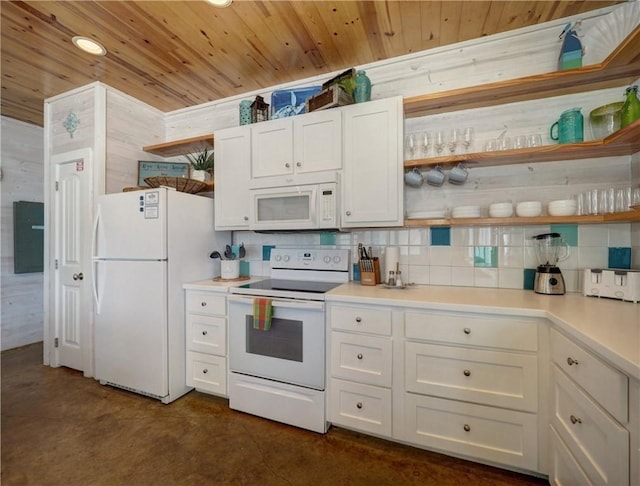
[59, 428]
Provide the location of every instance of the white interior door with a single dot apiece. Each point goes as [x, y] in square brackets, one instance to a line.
[72, 216]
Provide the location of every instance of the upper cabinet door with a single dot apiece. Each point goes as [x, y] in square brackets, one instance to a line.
[317, 142]
[372, 189]
[232, 171]
[272, 148]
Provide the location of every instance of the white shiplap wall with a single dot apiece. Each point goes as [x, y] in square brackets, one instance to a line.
[22, 180]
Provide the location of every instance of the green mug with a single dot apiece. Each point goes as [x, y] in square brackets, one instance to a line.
[569, 128]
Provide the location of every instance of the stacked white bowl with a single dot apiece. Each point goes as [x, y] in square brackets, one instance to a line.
[465, 212]
[529, 209]
[562, 207]
[500, 210]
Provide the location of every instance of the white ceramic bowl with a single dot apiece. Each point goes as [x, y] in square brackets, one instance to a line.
[565, 207]
[529, 209]
[466, 212]
[500, 210]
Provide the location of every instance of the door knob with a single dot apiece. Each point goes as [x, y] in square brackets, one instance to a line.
[78, 276]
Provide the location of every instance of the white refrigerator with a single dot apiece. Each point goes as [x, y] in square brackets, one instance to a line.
[146, 245]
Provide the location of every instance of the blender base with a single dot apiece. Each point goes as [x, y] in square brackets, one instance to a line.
[549, 281]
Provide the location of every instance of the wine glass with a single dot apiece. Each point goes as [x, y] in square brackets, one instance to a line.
[425, 143]
[410, 145]
[467, 138]
[453, 139]
[439, 140]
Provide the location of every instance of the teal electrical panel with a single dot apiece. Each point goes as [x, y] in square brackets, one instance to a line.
[28, 237]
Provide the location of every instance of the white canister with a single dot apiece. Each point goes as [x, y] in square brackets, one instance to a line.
[229, 269]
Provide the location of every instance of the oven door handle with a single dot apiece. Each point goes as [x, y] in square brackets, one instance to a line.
[282, 303]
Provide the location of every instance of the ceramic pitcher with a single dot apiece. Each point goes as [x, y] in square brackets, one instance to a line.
[569, 128]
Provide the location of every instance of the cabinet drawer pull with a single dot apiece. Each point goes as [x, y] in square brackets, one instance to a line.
[205, 371]
[203, 304]
[466, 330]
[348, 213]
[575, 420]
[246, 218]
[359, 405]
[359, 355]
[467, 372]
[298, 164]
[571, 361]
[466, 428]
[204, 333]
[358, 319]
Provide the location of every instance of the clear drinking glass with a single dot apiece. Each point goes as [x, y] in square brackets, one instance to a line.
[534, 140]
[520, 142]
[425, 144]
[410, 146]
[467, 138]
[453, 139]
[439, 140]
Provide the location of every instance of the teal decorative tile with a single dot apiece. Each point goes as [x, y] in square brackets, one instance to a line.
[619, 257]
[266, 252]
[485, 256]
[569, 232]
[528, 278]
[327, 238]
[441, 236]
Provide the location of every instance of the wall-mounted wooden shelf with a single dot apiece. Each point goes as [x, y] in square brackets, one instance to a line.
[623, 142]
[622, 67]
[626, 217]
[181, 147]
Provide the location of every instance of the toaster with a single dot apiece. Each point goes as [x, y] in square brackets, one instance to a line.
[614, 283]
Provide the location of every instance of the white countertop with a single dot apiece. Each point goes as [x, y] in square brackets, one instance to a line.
[611, 328]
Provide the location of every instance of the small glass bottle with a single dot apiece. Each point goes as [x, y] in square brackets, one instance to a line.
[392, 279]
[631, 106]
[399, 279]
[362, 92]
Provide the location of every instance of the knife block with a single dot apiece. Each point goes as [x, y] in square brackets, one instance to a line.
[367, 276]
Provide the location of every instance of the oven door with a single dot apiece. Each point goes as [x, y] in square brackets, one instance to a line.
[291, 351]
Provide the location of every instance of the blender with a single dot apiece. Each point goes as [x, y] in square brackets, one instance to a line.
[550, 248]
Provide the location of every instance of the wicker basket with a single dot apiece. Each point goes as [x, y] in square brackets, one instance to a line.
[181, 184]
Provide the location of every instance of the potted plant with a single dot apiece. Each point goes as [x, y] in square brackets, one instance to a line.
[201, 164]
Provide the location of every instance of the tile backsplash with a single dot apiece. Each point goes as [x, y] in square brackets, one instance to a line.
[480, 256]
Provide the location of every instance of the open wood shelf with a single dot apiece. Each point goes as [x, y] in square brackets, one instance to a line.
[181, 147]
[626, 217]
[623, 142]
[620, 68]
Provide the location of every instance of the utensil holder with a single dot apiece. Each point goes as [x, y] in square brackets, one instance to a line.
[370, 272]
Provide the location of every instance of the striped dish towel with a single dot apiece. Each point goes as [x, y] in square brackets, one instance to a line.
[262, 311]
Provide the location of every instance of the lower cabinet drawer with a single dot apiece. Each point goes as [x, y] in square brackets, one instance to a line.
[362, 407]
[486, 433]
[365, 359]
[497, 378]
[207, 373]
[207, 334]
[599, 443]
[565, 470]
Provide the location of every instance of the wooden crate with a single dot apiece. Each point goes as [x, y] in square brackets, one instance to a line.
[328, 98]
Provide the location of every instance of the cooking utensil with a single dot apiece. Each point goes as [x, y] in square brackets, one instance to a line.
[241, 251]
[228, 254]
[215, 254]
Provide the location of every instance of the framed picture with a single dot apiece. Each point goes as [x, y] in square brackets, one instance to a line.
[166, 169]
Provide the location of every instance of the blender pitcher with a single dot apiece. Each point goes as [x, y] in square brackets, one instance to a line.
[550, 248]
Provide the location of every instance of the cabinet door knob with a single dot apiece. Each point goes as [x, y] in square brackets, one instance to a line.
[467, 372]
[205, 371]
[298, 164]
[204, 333]
[246, 218]
[78, 276]
[348, 213]
[571, 361]
[287, 165]
[359, 355]
[358, 319]
[203, 304]
[575, 420]
[466, 428]
[466, 330]
[359, 405]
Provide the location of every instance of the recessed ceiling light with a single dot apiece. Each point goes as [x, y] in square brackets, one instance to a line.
[89, 45]
[219, 3]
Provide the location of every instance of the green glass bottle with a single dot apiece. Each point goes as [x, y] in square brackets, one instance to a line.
[362, 92]
[631, 106]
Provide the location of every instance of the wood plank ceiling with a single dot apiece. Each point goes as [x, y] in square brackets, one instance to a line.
[175, 54]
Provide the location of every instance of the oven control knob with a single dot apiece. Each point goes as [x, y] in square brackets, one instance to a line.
[286, 258]
[337, 259]
[327, 259]
[278, 258]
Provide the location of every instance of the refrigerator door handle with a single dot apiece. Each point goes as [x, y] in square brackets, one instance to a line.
[94, 236]
[94, 272]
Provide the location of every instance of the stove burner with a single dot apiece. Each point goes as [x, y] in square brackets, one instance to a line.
[292, 286]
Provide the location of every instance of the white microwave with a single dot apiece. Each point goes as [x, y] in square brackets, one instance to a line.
[297, 207]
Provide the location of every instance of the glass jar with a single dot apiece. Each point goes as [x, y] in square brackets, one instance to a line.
[631, 107]
[362, 92]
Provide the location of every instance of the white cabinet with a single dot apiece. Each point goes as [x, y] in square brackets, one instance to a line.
[361, 368]
[589, 407]
[372, 177]
[232, 172]
[471, 385]
[302, 149]
[206, 322]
